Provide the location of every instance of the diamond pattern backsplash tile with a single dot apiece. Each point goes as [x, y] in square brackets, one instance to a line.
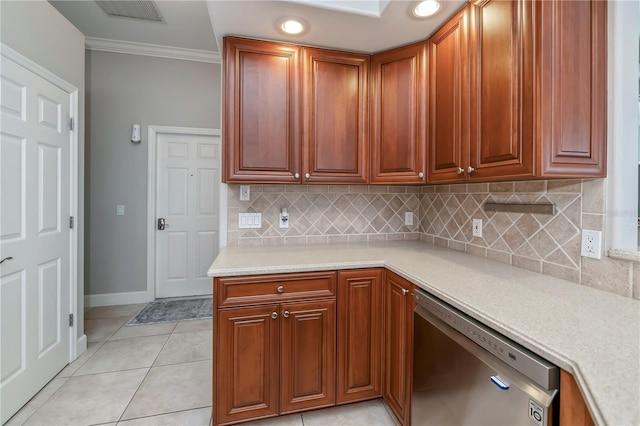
[528, 240]
[323, 214]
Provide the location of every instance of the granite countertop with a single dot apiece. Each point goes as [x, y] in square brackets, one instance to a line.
[593, 334]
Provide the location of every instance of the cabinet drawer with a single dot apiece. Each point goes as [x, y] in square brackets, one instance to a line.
[247, 290]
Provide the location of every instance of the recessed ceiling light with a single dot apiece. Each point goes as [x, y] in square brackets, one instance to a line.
[292, 26]
[426, 8]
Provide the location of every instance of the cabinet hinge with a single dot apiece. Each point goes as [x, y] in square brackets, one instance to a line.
[70, 320]
[71, 222]
[71, 124]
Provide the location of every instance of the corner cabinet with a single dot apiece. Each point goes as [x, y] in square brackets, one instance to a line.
[261, 114]
[398, 352]
[398, 115]
[335, 124]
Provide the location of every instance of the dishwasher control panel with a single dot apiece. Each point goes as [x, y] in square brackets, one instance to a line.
[518, 357]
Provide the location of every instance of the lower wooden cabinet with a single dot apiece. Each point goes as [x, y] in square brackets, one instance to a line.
[273, 358]
[307, 355]
[398, 352]
[359, 375]
[573, 409]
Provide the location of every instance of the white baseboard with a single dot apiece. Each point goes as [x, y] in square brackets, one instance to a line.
[110, 299]
[82, 345]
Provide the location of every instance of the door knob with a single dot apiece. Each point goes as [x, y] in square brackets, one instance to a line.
[274, 315]
[285, 314]
[280, 289]
[420, 175]
[307, 176]
[470, 169]
[460, 170]
[405, 291]
[162, 224]
[5, 259]
[297, 176]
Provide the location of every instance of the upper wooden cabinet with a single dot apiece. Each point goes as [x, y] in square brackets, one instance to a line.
[398, 115]
[335, 124]
[261, 113]
[449, 99]
[537, 92]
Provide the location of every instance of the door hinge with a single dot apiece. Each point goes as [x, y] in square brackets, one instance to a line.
[70, 320]
[71, 222]
[71, 124]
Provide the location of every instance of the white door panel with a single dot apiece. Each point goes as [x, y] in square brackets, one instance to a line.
[35, 200]
[187, 196]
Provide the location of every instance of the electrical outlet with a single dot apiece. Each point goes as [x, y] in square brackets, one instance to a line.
[284, 218]
[408, 218]
[591, 244]
[477, 228]
[245, 192]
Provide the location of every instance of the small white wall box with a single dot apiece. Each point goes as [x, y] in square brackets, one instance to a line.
[135, 133]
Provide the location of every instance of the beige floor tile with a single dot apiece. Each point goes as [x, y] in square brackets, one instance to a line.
[101, 312]
[186, 347]
[171, 388]
[362, 413]
[99, 330]
[72, 367]
[288, 420]
[194, 325]
[124, 354]
[144, 330]
[89, 400]
[36, 402]
[199, 417]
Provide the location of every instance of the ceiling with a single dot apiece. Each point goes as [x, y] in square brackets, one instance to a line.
[355, 25]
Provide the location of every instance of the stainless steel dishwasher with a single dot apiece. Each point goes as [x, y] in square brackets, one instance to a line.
[465, 373]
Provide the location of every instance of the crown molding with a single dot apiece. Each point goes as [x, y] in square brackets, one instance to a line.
[133, 48]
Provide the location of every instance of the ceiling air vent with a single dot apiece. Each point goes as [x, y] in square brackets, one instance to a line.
[136, 9]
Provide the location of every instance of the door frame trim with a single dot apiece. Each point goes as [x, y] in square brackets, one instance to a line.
[153, 132]
[75, 342]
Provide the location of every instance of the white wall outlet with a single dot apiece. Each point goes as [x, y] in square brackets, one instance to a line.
[120, 210]
[477, 227]
[249, 220]
[591, 244]
[284, 218]
[408, 218]
[245, 192]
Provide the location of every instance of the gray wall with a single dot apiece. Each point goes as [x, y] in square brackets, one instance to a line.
[38, 31]
[124, 89]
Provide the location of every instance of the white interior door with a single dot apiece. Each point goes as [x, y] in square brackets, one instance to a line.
[35, 200]
[187, 198]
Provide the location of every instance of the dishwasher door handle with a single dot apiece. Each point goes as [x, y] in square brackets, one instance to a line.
[499, 382]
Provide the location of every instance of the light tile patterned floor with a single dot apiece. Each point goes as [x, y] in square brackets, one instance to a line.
[157, 374]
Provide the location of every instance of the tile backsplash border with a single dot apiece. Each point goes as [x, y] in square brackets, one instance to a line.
[550, 245]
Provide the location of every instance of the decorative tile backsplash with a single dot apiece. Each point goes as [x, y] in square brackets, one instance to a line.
[324, 214]
[549, 244]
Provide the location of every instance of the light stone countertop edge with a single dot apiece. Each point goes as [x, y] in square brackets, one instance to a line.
[571, 325]
[625, 254]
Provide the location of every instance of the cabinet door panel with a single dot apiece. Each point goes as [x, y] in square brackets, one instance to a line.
[359, 335]
[449, 100]
[501, 89]
[247, 363]
[336, 117]
[261, 113]
[398, 323]
[574, 80]
[398, 114]
[307, 357]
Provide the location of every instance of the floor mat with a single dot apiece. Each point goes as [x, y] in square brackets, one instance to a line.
[174, 310]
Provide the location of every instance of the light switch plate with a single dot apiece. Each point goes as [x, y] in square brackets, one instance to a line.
[245, 192]
[120, 210]
[477, 228]
[408, 218]
[249, 220]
